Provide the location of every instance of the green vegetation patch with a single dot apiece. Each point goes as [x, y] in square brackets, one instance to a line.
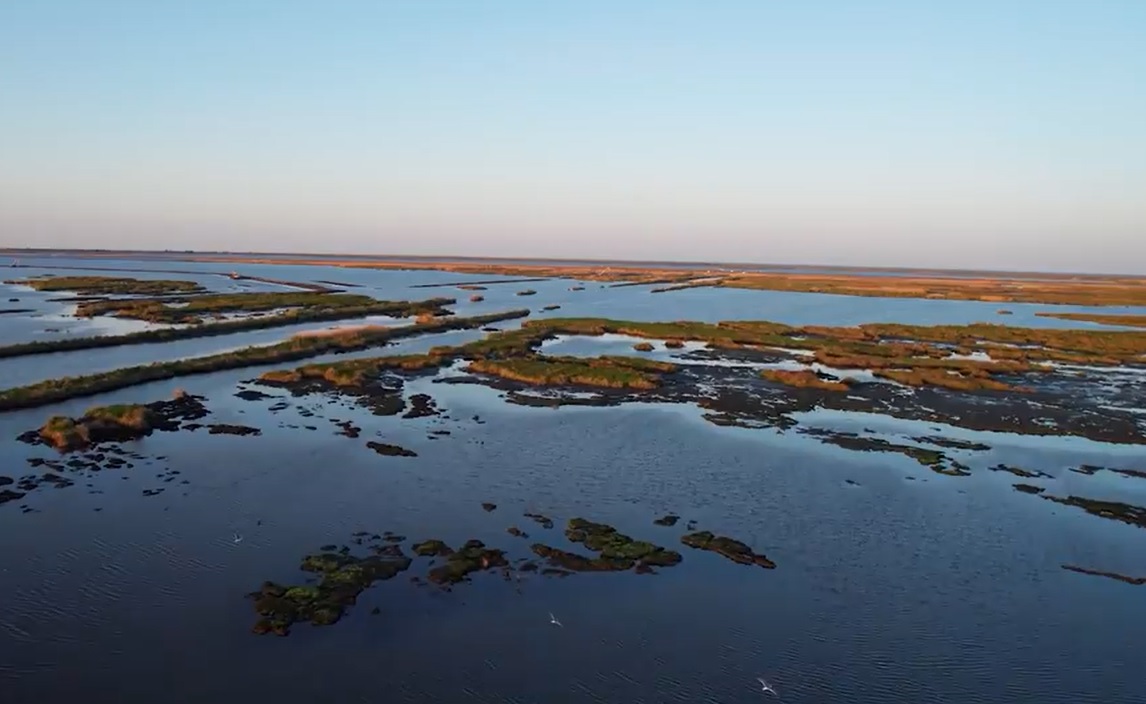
[615, 551]
[341, 578]
[110, 285]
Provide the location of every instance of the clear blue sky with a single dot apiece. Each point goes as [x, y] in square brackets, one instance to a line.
[989, 133]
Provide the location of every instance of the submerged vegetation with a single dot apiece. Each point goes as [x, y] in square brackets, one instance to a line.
[935, 460]
[110, 285]
[615, 551]
[338, 576]
[727, 547]
[341, 578]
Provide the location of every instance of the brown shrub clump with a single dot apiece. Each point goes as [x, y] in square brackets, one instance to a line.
[803, 378]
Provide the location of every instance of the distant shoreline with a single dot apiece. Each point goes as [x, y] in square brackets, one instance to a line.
[391, 260]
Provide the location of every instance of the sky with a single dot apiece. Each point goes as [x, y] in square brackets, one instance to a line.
[999, 134]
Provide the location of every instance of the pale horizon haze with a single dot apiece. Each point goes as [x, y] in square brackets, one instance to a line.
[1004, 134]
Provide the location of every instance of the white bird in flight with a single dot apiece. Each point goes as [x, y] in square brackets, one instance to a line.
[766, 687]
[237, 539]
[553, 620]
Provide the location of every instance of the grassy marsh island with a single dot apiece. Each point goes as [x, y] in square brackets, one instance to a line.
[1099, 291]
[97, 424]
[194, 310]
[961, 358]
[921, 356]
[316, 313]
[605, 372]
[110, 285]
[116, 423]
[510, 355]
[296, 348]
[803, 378]
[941, 363]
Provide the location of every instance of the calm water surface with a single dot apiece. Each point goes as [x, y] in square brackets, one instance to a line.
[905, 586]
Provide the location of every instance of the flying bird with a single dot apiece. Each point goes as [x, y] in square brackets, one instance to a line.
[554, 621]
[237, 539]
[766, 687]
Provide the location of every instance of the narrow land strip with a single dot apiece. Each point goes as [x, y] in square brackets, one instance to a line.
[296, 348]
[397, 309]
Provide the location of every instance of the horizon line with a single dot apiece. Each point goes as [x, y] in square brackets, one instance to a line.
[632, 263]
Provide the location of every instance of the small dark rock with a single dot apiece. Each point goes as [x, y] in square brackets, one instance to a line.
[227, 429]
[252, 395]
[390, 450]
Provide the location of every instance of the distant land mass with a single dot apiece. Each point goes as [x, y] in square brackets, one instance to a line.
[631, 265]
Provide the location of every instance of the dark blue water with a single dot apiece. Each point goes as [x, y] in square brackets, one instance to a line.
[904, 587]
[938, 589]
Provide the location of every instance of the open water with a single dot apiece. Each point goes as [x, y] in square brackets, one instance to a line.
[893, 584]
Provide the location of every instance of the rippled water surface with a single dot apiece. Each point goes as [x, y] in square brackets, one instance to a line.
[894, 584]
